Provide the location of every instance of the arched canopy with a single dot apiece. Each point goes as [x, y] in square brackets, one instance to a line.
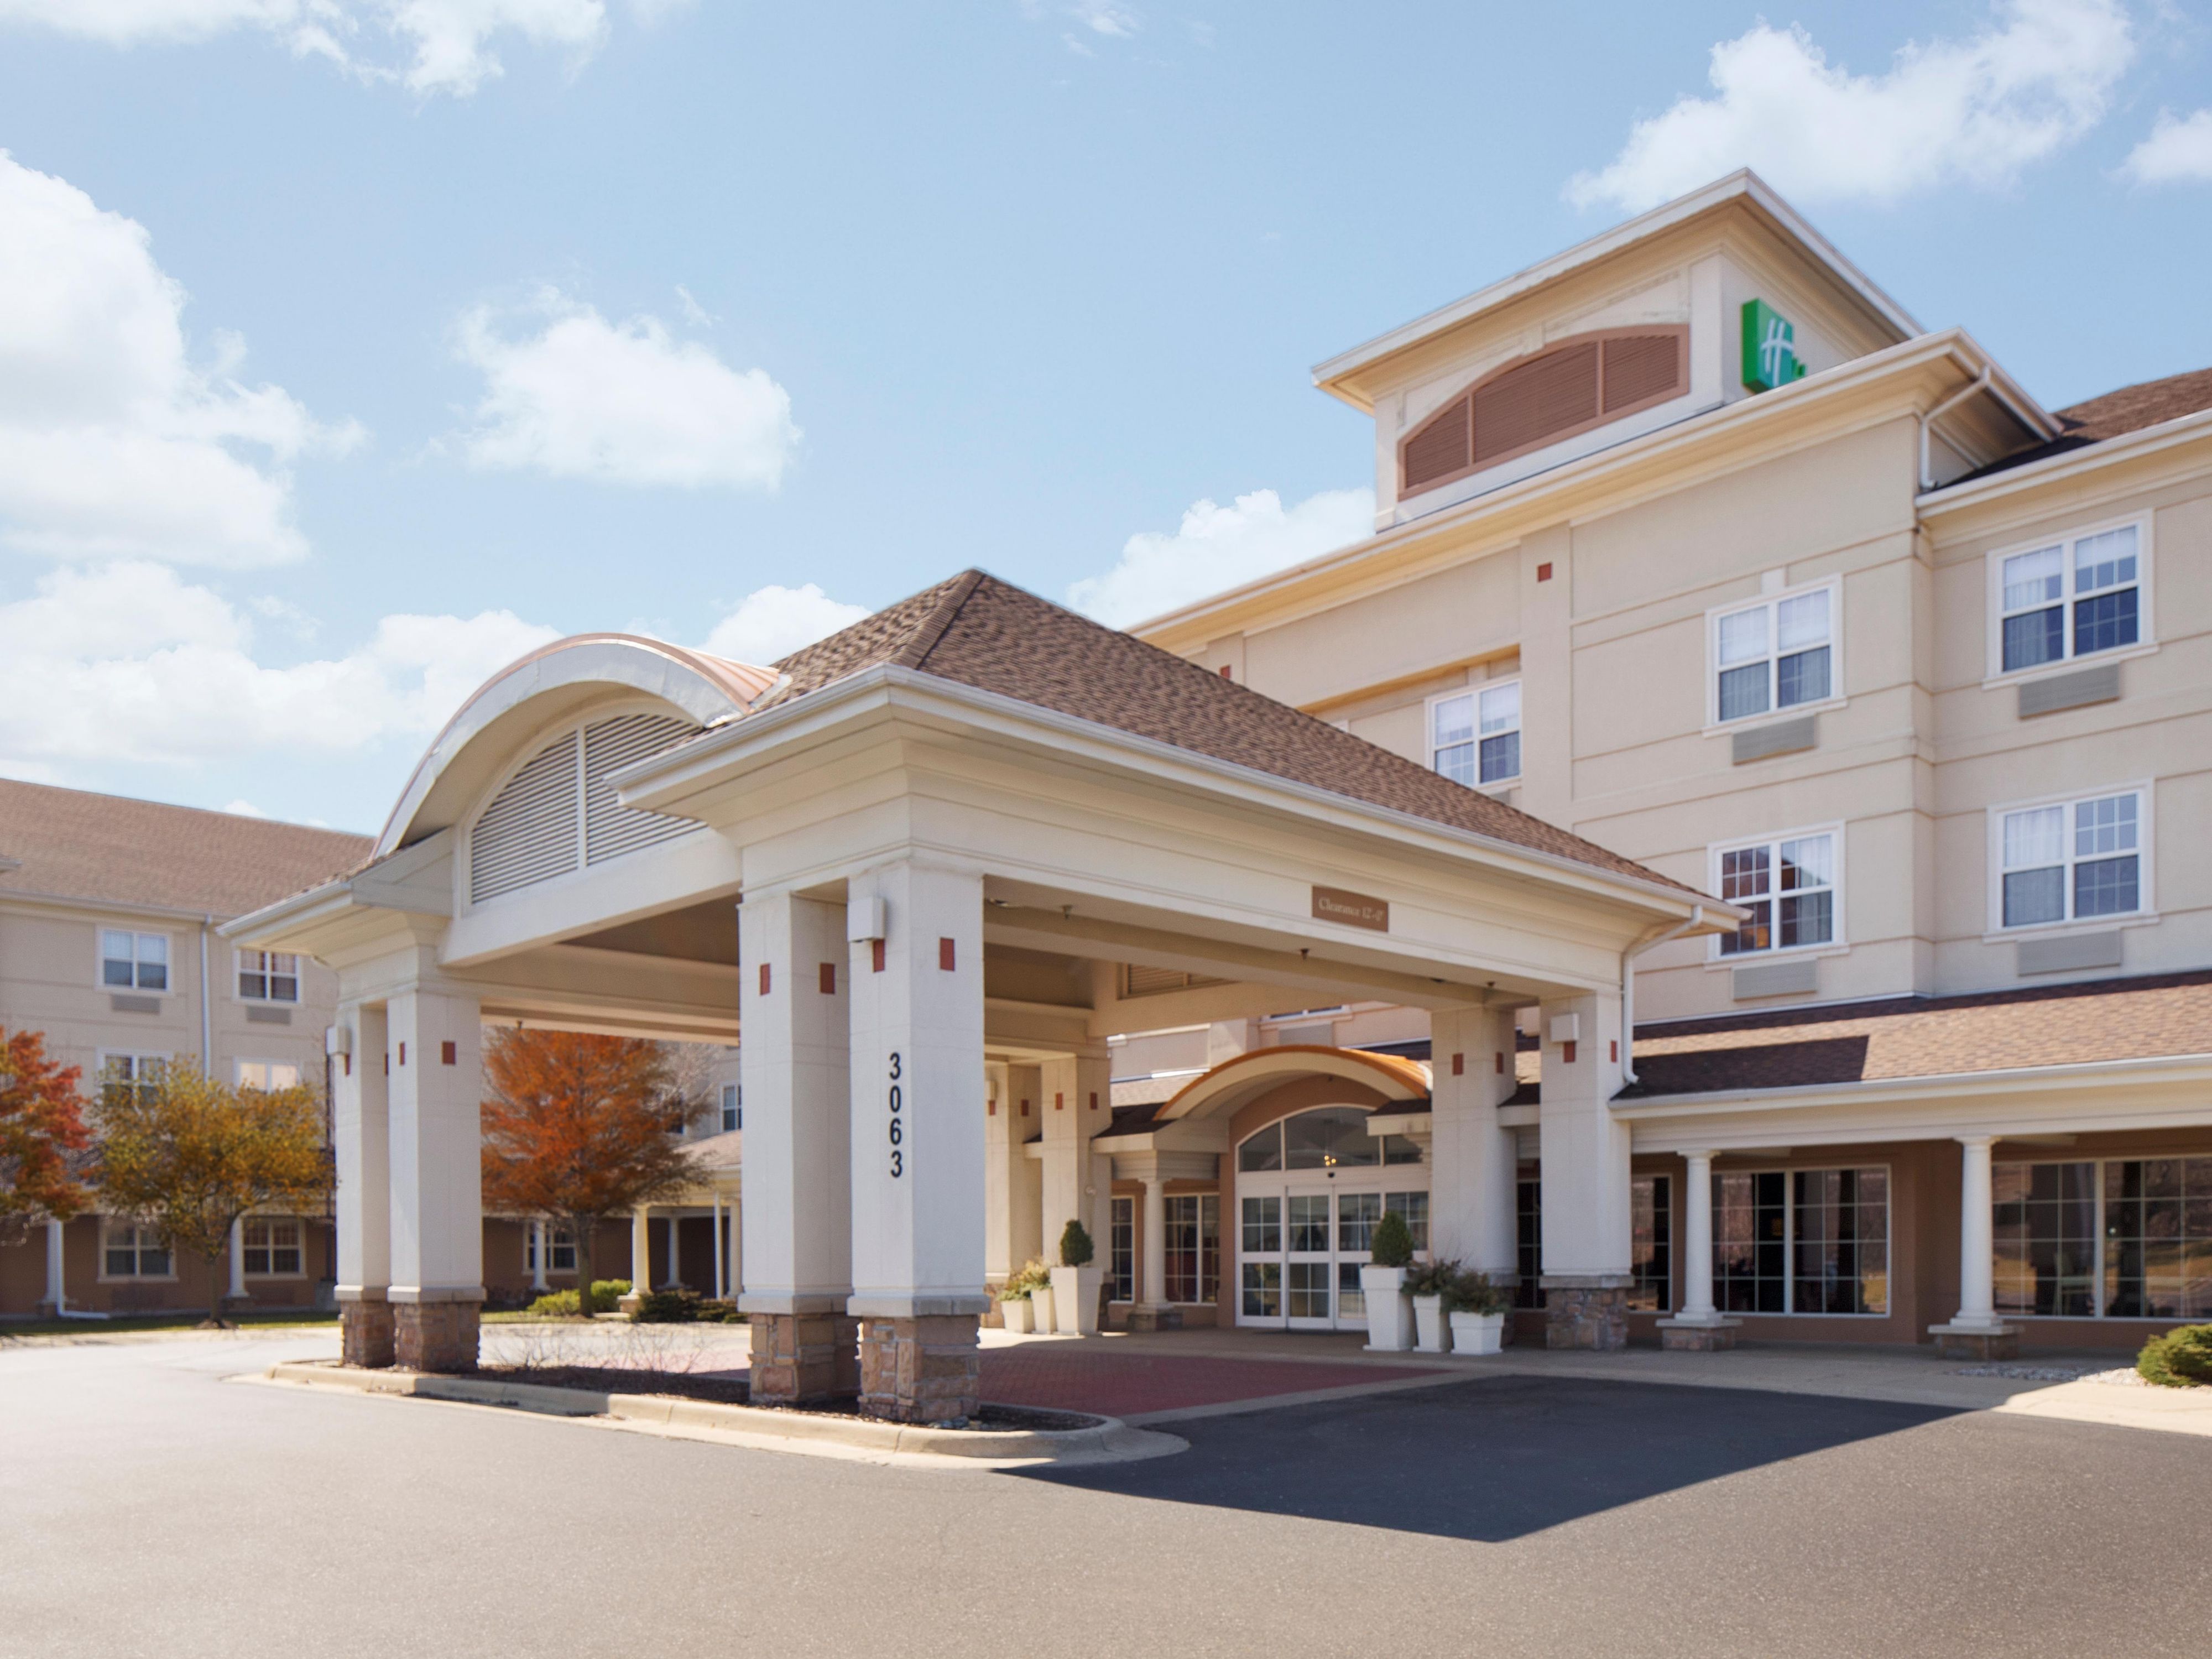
[1231, 1085]
[558, 679]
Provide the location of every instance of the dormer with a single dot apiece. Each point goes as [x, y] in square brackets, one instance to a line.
[1710, 299]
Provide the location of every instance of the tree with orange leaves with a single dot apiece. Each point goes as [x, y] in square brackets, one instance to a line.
[577, 1128]
[42, 1135]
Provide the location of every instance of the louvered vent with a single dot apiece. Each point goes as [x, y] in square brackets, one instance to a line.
[610, 828]
[528, 833]
[1151, 982]
[1567, 389]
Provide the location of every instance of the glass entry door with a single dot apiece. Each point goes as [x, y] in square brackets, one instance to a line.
[1310, 1190]
[1310, 1270]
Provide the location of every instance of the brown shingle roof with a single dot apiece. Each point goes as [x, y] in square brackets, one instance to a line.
[2096, 1021]
[69, 843]
[2130, 408]
[979, 631]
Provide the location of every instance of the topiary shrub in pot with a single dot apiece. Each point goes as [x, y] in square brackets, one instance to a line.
[2182, 1359]
[1076, 1283]
[1383, 1286]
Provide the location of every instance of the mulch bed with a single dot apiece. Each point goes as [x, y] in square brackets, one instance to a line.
[724, 1390]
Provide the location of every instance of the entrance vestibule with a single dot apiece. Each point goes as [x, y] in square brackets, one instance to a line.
[1311, 1189]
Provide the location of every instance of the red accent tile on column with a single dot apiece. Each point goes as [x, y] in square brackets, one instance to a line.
[763, 979]
[349, 1064]
[992, 1110]
[875, 955]
[1459, 1065]
[1500, 1057]
[387, 1062]
[1094, 1099]
[449, 1054]
[1059, 1102]
[1543, 573]
[1612, 1049]
[1567, 1052]
[829, 979]
[1226, 673]
[1025, 1109]
[402, 1054]
[945, 954]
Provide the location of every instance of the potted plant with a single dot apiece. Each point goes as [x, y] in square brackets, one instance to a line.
[1075, 1283]
[1479, 1306]
[1382, 1282]
[1430, 1285]
[1014, 1306]
[1034, 1282]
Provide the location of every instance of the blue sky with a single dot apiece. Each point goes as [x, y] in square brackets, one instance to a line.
[350, 346]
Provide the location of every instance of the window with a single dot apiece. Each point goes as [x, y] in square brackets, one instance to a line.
[733, 1107]
[2072, 860]
[1801, 1242]
[1777, 654]
[1651, 1261]
[1529, 1233]
[560, 1249]
[1262, 1222]
[2074, 597]
[1789, 884]
[273, 1249]
[1121, 1248]
[128, 1251]
[134, 962]
[268, 976]
[122, 1075]
[1327, 1137]
[267, 1075]
[1474, 737]
[2128, 1238]
[1194, 1247]
[1415, 1207]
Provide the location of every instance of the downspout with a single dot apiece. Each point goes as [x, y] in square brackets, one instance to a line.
[1981, 384]
[1628, 989]
[207, 1005]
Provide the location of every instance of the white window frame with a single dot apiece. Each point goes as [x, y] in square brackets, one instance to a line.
[1790, 1310]
[99, 961]
[245, 1243]
[732, 1108]
[238, 1071]
[1836, 946]
[554, 1235]
[2097, 1289]
[1833, 585]
[2145, 911]
[267, 969]
[1993, 602]
[1476, 690]
[109, 1224]
[138, 1057]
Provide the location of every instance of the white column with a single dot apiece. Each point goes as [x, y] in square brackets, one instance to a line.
[1075, 1100]
[541, 1245]
[722, 1288]
[56, 1262]
[237, 1291]
[1473, 1159]
[1697, 1239]
[917, 1094]
[1585, 1150]
[361, 1127]
[1024, 1174]
[1002, 1150]
[435, 1034]
[1154, 1264]
[1977, 1277]
[640, 1250]
[794, 1214]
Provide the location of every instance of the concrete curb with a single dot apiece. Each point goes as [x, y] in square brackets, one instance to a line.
[1109, 1441]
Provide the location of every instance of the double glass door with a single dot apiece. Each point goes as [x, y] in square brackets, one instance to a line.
[1302, 1242]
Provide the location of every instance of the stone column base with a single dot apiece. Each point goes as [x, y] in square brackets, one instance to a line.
[435, 1336]
[920, 1371]
[1698, 1335]
[1142, 1318]
[1586, 1310]
[366, 1337]
[804, 1358]
[1976, 1341]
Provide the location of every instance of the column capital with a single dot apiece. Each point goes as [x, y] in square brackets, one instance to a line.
[1978, 1140]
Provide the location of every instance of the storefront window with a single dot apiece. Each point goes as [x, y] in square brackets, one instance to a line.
[2158, 1238]
[1650, 1240]
[1194, 1247]
[1801, 1242]
[2044, 1230]
[1121, 1249]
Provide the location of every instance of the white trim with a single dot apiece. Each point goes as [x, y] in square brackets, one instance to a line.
[1836, 697]
[297, 1223]
[1477, 689]
[1995, 672]
[100, 960]
[1789, 1240]
[1839, 941]
[2148, 439]
[104, 1277]
[268, 971]
[2146, 791]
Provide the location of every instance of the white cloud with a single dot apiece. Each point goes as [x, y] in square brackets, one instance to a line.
[620, 403]
[128, 663]
[113, 442]
[245, 809]
[1217, 547]
[2177, 151]
[771, 622]
[1101, 17]
[443, 46]
[1978, 109]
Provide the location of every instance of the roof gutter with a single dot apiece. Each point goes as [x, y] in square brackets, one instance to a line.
[1628, 987]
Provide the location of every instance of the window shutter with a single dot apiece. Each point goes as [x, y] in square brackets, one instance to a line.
[528, 833]
[610, 828]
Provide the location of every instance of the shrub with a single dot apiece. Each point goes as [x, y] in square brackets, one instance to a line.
[1478, 1293]
[554, 1304]
[606, 1292]
[671, 1307]
[1437, 1277]
[1392, 1243]
[1075, 1246]
[720, 1311]
[1034, 1276]
[2182, 1359]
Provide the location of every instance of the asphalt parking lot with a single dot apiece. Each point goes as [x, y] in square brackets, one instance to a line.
[151, 1506]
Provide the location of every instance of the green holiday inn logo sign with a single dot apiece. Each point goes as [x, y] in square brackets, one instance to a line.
[1770, 348]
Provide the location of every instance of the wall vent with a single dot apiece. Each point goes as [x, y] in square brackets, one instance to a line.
[1783, 737]
[610, 828]
[2076, 690]
[528, 833]
[2069, 953]
[1778, 978]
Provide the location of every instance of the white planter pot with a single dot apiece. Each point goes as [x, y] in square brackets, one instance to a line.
[1475, 1333]
[1075, 1299]
[1041, 1307]
[1431, 1325]
[1389, 1316]
[1017, 1313]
